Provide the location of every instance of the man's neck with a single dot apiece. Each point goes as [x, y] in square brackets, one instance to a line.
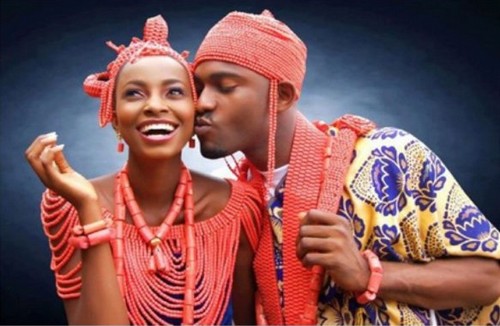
[283, 143]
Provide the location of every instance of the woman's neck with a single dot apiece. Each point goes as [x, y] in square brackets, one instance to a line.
[154, 182]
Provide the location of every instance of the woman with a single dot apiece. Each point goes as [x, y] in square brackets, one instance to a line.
[153, 243]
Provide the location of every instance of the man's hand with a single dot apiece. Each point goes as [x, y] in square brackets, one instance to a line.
[326, 239]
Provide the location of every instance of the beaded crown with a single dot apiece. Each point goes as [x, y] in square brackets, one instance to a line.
[258, 42]
[154, 43]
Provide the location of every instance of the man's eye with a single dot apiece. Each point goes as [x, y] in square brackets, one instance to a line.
[198, 85]
[226, 89]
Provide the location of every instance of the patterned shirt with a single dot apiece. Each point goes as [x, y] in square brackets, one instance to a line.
[405, 206]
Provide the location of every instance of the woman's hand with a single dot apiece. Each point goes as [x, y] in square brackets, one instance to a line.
[47, 160]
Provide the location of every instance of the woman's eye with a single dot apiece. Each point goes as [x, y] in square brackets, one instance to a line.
[132, 93]
[177, 91]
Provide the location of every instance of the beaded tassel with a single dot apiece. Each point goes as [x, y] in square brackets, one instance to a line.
[120, 146]
[311, 306]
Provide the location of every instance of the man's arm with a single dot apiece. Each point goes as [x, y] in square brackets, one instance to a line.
[443, 283]
[326, 239]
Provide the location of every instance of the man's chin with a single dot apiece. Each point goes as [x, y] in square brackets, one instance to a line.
[213, 153]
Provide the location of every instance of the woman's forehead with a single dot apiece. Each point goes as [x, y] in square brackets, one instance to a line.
[154, 66]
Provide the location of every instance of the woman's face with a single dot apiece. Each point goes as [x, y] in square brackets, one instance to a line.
[154, 107]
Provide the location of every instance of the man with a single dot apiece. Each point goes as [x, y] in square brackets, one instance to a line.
[366, 225]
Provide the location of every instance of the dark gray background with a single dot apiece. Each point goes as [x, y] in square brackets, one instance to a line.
[428, 67]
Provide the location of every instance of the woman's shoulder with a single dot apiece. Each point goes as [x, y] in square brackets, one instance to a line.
[105, 187]
[104, 183]
[211, 195]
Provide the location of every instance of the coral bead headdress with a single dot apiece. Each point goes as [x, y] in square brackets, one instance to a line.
[154, 43]
[263, 44]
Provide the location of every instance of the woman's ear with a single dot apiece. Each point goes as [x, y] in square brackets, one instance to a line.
[114, 121]
[286, 96]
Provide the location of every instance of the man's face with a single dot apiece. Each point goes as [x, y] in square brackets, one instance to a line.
[232, 110]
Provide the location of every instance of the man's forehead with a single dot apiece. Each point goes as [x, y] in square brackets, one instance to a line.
[220, 69]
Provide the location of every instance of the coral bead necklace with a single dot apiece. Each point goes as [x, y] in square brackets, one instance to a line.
[158, 262]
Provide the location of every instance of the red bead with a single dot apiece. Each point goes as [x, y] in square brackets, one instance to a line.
[81, 242]
[146, 233]
[119, 267]
[189, 204]
[375, 278]
[161, 262]
[151, 265]
[163, 230]
[119, 232]
[118, 249]
[95, 226]
[181, 189]
[189, 296]
[120, 147]
[190, 240]
[134, 209]
[190, 282]
[99, 237]
[77, 230]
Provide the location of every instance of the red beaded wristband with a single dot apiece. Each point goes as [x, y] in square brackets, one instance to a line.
[375, 278]
[92, 227]
[92, 234]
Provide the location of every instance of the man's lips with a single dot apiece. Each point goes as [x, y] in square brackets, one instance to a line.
[202, 126]
[202, 122]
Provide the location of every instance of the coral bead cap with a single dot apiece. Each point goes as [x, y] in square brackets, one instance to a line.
[258, 42]
[154, 42]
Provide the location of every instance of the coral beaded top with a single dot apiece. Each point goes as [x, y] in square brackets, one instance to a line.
[159, 297]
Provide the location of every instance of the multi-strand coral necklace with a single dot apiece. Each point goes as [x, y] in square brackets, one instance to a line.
[158, 261]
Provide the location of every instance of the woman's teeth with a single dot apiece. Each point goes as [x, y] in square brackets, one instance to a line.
[157, 129]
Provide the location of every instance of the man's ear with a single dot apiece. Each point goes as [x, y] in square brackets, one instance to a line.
[286, 96]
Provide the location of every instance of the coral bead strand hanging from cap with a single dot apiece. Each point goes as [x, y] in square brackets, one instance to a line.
[262, 44]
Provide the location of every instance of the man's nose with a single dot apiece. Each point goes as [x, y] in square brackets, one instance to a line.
[206, 101]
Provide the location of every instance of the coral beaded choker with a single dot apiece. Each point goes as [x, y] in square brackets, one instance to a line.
[158, 262]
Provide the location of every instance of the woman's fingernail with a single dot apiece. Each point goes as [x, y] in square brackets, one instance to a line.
[58, 148]
[50, 134]
[50, 137]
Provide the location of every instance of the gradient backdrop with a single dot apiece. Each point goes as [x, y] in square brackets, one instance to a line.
[429, 68]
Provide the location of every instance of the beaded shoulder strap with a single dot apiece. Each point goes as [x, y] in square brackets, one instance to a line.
[338, 159]
[315, 179]
[251, 211]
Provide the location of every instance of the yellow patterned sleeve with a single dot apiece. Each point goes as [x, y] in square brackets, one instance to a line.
[407, 206]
